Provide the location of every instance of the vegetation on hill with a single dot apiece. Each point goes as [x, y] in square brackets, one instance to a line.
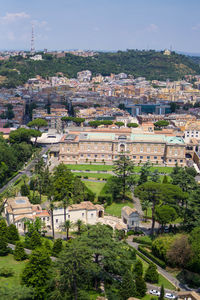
[150, 64]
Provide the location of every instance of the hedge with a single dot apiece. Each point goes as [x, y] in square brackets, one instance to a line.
[156, 260]
[139, 241]
[143, 257]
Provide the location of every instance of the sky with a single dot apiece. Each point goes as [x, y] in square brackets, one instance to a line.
[101, 24]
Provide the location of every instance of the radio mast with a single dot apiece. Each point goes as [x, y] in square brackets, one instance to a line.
[32, 41]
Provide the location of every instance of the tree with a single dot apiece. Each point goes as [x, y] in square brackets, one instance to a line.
[141, 287]
[119, 124]
[37, 124]
[128, 288]
[52, 218]
[24, 190]
[161, 123]
[74, 267]
[132, 125]
[20, 135]
[180, 252]
[67, 225]
[194, 241]
[138, 270]
[151, 274]
[37, 273]
[19, 253]
[79, 223]
[146, 204]
[155, 176]
[124, 168]
[12, 234]
[3, 246]
[144, 173]
[35, 240]
[150, 191]
[162, 293]
[165, 214]
[57, 247]
[165, 180]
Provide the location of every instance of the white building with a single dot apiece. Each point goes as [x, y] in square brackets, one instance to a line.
[86, 211]
[17, 210]
[130, 217]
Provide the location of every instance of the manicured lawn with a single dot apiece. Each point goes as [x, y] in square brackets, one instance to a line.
[9, 261]
[95, 187]
[115, 208]
[91, 167]
[93, 175]
[162, 280]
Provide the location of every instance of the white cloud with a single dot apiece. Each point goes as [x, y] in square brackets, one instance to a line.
[196, 27]
[12, 17]
[152, 28]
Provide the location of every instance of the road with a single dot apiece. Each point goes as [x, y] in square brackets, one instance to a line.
[25, 171]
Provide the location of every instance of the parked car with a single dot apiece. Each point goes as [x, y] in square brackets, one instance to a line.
[154, 292]
[170, 296]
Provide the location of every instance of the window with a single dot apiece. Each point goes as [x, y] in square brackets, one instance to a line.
[95, 155]
[92, 215]
[141, 149]
[155, 157]
[88, 155]
[43, 219]
[175, 160]
[68, 216]
[116, 156]
[132, 222]
[56, 220]
[82, 214]
[81, 155]
[155, 150]
[102, 155]
[181, 160]
[141, 157]
[162, 157]
[148, 157]
[47, 218]
[170, 160]
[134, 157]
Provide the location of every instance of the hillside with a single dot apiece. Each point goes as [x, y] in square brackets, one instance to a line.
[149, 64]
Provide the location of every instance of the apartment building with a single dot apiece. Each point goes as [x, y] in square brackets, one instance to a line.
[106, 146]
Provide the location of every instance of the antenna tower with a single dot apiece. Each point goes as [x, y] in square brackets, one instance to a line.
[32, 41]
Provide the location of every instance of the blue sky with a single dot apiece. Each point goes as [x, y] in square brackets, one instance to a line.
[101, 24]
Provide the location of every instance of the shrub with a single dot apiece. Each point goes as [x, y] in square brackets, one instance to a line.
[140, 240]
[6, 272]
[12, 234]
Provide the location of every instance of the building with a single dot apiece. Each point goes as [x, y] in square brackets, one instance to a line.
[85, 211]
[17, 210]
[130, 217]
[106, 145]
[150, 108]
[188, 295]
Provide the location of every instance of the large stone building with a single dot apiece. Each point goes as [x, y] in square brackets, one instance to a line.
[106, 146]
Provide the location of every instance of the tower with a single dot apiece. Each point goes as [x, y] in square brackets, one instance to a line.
[32, 41]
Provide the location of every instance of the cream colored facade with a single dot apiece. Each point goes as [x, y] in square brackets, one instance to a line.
[106, 146]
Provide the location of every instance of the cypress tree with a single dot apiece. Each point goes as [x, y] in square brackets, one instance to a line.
[128, 288]
[12, 234]
[19, 253]
[57, 247]
[152, 274]
[138, 268]
[162, 293]
[141, 287]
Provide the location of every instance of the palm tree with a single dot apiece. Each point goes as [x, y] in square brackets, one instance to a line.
[79, 223]
[66, 202]
[67, 226]
[145, 205]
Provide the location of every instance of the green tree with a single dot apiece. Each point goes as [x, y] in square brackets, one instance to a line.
[132, 125]
[57, 247]
[67, 225]
[155, 176]
[74, 267]
[162, 293]
[37, 273]
[24, 190]
[12, 234]
[3, 246]
[37, 124]
[138, 270]
[124, 170]
[141, 287]
[127, 288]
[161, 123]
[79, 223]
[194, 240]
[19, 253]
[165, 179]
[144, 173]
[35, 240]
[165, 214]
[146, 204]
[119, 124]
[151, 274]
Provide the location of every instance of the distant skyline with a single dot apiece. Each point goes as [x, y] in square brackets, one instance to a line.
[101, 25]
